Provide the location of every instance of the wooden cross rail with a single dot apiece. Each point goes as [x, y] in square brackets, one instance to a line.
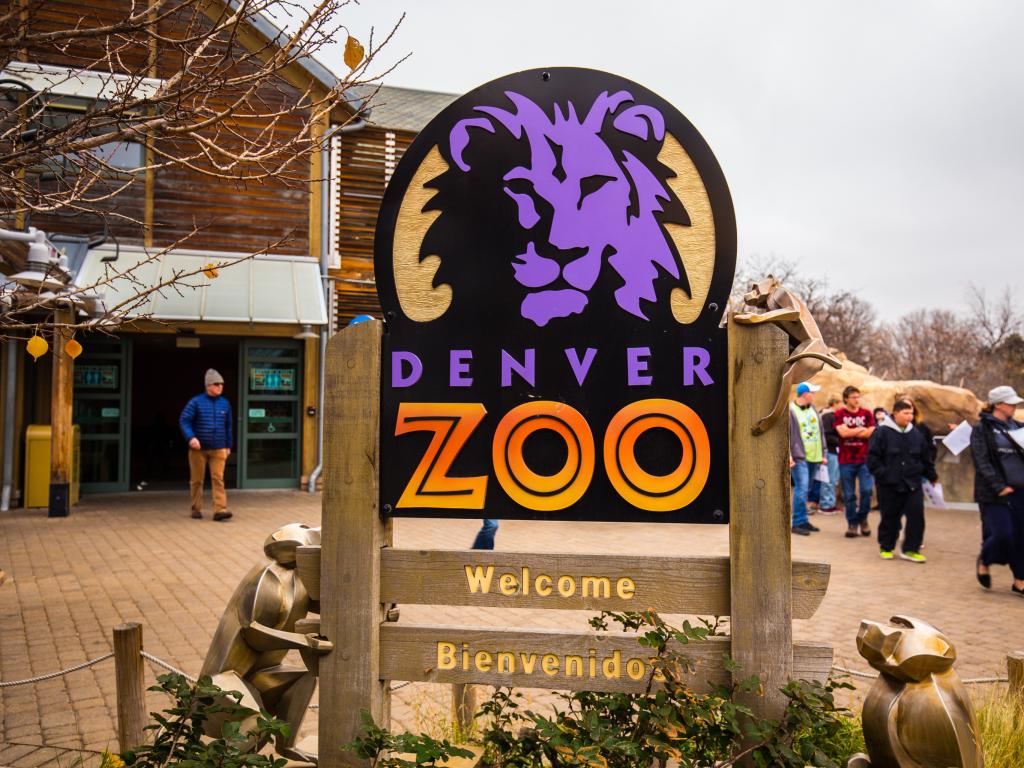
[680, 585]
[677, 585]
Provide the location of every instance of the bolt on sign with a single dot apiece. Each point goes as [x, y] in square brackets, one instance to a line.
[553, 255]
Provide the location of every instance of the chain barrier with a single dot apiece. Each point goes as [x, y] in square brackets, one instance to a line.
[873, 675]
[171, 668]
[52, 675]
[168, 667]
[92, 662]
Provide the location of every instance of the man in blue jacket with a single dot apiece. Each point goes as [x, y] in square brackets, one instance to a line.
[206, 424]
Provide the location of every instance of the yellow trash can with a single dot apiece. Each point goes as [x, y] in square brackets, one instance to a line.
[37, 464]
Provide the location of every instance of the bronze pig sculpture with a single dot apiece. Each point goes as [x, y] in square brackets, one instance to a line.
[918, 713]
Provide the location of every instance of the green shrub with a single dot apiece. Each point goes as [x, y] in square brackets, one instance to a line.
[383, 750]
[178, 731]
[667, 723]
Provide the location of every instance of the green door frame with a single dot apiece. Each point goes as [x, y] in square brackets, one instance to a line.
[97, 352]
[249, 355]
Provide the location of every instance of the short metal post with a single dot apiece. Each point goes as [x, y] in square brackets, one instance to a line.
[130, 678]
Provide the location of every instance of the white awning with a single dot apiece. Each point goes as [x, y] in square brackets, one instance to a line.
[81, 83]
[259, 289]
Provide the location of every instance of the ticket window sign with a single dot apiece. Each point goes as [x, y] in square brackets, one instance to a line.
[96, 376]
[271, 380]
[553, 257]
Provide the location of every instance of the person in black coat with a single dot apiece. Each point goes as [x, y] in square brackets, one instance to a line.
[999, 487]
[899, 457]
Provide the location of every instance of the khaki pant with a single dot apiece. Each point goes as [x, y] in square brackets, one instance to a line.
[197, 461]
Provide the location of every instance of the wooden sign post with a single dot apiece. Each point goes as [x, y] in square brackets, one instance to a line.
[761, 613]
[552, 256]
[353, 538]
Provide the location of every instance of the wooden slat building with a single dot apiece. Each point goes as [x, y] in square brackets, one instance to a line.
[255, 324]
[362, 166]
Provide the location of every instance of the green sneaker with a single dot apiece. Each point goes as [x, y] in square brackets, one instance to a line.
[885, 554]
[914, 557]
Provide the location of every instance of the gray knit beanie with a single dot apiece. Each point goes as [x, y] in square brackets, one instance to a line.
[212, 377]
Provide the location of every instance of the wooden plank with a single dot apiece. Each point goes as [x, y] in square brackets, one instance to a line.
[464, 705]
[307, 567]
[316, 182]
[130, 682]
[352, 537]
[759, 518]
[61, 394]
[690, 585]
[1015, 674]
[606, 660]
[310, 399]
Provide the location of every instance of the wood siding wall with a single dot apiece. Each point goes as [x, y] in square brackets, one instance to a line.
[367, 157]
[229, 215]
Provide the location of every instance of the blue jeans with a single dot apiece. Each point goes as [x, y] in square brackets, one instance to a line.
[828, 490]
[801, 472]
[851, 475]
[485, 538]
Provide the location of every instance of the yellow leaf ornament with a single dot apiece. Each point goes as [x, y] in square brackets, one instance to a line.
[37, 347]
[73, 348]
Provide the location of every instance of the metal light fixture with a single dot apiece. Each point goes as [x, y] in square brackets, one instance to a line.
[43, 268]
[307, 333]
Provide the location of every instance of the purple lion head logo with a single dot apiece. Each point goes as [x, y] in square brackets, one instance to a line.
[599, 203]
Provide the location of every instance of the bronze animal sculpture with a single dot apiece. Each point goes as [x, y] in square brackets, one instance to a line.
[256, 632]
[918, 713]
[808, 351]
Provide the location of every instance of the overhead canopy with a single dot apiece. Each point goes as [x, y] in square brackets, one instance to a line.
[258, 289]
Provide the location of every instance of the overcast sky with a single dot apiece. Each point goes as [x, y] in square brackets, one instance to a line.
[880, 144]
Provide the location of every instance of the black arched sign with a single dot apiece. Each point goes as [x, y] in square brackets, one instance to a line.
[553, 255]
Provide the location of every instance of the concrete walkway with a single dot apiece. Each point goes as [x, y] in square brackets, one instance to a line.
[138, 557]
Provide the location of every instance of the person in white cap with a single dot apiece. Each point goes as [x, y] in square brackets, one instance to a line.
[806, 452]
[206, 424]
[999, 486]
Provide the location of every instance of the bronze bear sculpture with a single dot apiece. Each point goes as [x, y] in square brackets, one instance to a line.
[918, 713]
[256, 633]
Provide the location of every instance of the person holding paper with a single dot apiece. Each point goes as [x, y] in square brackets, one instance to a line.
[899, 458]
[999, 486]
[828, 431]
[806, 452]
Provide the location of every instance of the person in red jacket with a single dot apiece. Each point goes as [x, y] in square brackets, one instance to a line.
[855, 426]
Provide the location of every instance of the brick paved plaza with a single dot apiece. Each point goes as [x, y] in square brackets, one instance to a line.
[138, 557]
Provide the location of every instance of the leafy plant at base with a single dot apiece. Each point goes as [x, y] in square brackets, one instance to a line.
[669, 722]
[179, 730]
[383, 750]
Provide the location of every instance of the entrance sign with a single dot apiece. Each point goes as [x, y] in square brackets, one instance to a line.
[553, 256]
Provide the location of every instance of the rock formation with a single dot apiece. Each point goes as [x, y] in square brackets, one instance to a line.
[939, 404]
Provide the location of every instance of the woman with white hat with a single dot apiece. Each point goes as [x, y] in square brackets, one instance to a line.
[999, 486]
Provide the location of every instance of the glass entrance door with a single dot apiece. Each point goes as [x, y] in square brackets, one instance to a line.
[101, 409]
[270, 416]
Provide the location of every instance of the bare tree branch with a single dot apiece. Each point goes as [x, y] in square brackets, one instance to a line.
[194, 83]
